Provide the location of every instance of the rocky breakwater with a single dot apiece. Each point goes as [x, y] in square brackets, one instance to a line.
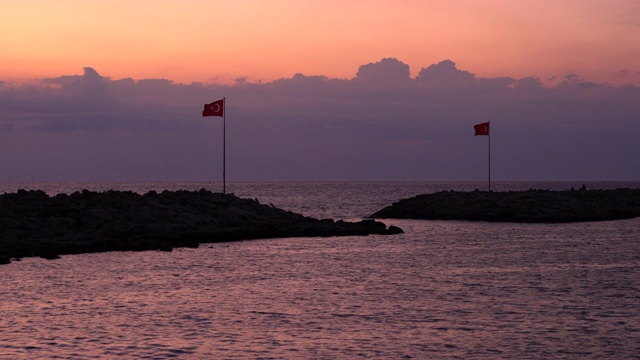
[33, 223]
[532, 206]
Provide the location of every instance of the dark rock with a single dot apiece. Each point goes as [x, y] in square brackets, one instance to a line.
[532, 206]
[34, 224]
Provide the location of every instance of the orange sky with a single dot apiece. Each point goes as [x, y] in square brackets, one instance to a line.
[198, 40]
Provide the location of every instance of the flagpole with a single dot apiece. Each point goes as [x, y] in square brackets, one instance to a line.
[224, 145]
[489, 140]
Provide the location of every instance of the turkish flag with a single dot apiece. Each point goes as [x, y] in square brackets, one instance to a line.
[216, 108]
[482, 129]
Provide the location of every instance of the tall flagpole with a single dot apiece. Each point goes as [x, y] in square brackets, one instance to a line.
[224, 145]
[489, 140]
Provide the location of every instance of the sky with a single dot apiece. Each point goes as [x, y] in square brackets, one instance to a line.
[319, 90]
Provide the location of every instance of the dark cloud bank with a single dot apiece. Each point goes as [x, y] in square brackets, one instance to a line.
[380, 125]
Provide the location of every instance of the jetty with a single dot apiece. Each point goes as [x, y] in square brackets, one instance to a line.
[531, 206]
[33, 223]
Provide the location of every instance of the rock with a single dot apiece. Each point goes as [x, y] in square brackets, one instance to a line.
[532, 206]
[34, 224]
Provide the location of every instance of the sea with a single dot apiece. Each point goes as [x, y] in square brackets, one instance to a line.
[440, 290]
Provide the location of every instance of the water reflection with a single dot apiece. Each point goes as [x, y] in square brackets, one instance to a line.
[440, 290]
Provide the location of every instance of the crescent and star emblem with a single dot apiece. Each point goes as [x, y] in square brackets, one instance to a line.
[215, 108]
[485, 129]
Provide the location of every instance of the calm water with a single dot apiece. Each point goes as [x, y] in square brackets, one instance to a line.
[440, 290]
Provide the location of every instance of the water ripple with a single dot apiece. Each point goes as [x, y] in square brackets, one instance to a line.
[440, 290]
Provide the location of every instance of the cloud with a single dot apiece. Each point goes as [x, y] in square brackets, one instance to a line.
[90, 85]
[380, 125]
[529, 85]
[386, 72]
[445, 74]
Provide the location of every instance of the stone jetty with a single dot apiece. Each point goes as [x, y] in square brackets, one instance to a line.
[33, 223]
[532, 206]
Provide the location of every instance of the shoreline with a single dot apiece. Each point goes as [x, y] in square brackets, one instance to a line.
[34, 224]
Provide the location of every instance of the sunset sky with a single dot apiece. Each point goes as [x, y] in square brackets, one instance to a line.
[219, 41]
[319, 90]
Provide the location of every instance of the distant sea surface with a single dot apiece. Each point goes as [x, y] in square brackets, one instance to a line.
[443, 289]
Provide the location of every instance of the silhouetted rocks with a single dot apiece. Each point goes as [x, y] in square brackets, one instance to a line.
[532, 206]
[35, 224]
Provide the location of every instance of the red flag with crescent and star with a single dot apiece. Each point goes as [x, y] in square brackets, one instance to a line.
[216, 108]
[481, 129]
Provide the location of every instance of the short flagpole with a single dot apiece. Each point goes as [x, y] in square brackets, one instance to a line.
[224, 145]
[489, 140]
